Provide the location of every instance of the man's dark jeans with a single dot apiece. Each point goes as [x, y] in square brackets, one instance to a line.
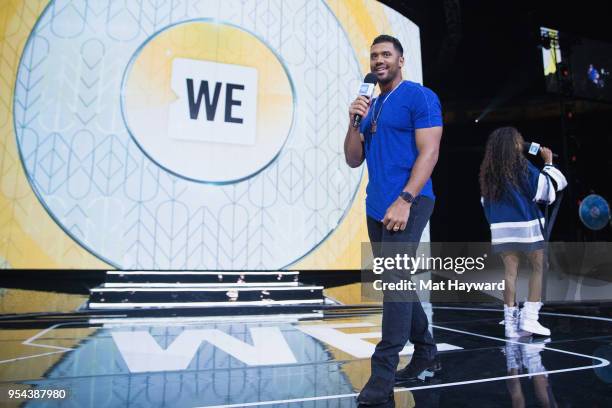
[402, 321]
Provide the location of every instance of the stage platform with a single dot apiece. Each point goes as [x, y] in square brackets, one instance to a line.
[306, 358]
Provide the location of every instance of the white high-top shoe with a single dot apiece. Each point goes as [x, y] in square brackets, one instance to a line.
[511, 322]
[528, 319]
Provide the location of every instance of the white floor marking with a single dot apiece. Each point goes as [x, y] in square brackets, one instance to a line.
[29, 342]
[602, 363]
[482, 309]
[12, 360]
[355, 343]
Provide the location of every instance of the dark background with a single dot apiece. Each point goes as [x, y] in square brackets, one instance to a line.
[485, 54]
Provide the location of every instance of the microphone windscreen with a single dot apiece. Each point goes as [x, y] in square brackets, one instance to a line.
[370, 78]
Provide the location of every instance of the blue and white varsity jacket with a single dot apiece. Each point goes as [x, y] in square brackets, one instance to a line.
[516, 221]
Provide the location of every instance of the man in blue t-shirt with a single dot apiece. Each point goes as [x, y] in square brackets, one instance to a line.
[399, 138]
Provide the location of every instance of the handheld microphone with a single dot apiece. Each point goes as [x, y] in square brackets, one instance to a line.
[533, 149]
[366, 89]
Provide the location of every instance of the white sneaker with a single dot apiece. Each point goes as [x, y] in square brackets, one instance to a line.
[511, 322]
[528, 319]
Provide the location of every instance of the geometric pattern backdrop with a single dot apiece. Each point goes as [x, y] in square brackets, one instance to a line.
[107, 195]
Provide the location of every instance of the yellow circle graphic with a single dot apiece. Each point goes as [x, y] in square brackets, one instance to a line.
[208, 101]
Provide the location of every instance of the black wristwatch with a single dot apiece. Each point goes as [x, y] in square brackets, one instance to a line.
[409, 198]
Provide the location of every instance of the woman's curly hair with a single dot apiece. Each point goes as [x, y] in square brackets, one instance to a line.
[503, 165]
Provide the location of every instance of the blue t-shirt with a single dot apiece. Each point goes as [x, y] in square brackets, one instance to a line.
[391, 152]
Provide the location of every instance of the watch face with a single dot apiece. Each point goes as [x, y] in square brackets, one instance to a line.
[407, 196]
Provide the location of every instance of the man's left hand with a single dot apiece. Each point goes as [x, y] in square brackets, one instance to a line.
[397, 215]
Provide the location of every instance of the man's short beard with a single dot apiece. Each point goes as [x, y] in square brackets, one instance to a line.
[387, 80]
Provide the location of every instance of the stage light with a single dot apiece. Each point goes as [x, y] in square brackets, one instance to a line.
[566, 86]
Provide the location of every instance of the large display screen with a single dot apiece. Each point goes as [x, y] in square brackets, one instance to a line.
[591, 62]
[587, 64]
[200, 135]
[551, 57]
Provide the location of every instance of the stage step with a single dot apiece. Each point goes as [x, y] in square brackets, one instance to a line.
[201, 289]
[199, 278]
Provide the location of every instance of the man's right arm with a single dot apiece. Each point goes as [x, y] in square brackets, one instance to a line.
[353, 142]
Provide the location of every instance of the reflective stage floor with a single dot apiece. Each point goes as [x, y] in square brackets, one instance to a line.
[299, 360]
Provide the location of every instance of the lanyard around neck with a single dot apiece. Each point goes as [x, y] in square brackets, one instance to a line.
[375, 116]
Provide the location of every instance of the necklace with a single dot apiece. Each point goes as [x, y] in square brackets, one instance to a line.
[374, 114]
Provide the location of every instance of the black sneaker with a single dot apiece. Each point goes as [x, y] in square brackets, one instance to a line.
[376, 392]
[419, 369]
